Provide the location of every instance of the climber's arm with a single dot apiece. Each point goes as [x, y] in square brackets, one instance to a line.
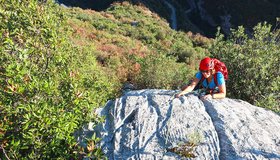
[188, 88]
[222, 92]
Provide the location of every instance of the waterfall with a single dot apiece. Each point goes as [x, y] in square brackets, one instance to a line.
[173, 15]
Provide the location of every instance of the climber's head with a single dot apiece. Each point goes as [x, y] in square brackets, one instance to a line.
[206, 66]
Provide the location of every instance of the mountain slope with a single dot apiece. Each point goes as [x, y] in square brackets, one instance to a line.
[204, 16]
[124, 34]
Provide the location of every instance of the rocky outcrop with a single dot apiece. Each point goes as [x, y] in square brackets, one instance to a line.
[152, 124]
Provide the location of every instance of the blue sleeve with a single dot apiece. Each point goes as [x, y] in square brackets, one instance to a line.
[198, 75]
[220, 78]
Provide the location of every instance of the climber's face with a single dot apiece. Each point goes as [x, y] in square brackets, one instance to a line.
[206, 73]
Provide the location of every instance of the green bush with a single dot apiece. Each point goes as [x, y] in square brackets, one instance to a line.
[159, 71]
[253, 64]
[47, 90]
[125, 29]
[91, 80]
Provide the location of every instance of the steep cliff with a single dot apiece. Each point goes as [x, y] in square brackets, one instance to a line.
[201, 16]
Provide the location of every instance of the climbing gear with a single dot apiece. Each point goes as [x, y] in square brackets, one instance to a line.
[207, 89]
[206, 64]
[200, 92]
[220, 66]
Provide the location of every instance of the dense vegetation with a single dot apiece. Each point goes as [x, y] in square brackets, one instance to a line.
[127, 38]
[48, 87]
[253, 63]
[59, 64]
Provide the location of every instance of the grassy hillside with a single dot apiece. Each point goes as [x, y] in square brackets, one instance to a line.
[124, 35]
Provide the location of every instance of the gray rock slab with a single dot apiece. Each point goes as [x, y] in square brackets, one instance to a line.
[245, 131]
[145, 124]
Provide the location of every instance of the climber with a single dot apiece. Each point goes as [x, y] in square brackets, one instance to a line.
[211, 77]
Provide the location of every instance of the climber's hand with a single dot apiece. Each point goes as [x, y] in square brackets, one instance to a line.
[207, 96]
[178, 95]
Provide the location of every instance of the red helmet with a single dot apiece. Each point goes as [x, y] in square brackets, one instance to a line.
[206, 64]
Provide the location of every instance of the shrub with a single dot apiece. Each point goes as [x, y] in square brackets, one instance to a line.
[45, 92]
[182, 51]
[159, 71]
[253, 64]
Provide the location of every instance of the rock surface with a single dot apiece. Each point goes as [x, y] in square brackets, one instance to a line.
[148, 124]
